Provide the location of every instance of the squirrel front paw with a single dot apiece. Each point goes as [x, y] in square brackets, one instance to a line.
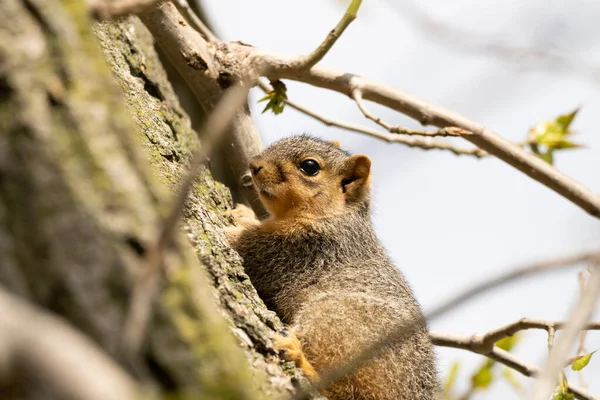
[290, 349]
[243, 218]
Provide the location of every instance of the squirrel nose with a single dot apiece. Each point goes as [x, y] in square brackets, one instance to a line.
[255, 168]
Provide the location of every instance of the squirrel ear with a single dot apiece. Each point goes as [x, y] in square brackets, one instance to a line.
[336, 143]
[355, 180]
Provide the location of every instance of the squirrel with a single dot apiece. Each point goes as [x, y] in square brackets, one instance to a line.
[318, 264]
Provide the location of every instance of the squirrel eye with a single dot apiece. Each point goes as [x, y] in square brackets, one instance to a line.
[309, 167]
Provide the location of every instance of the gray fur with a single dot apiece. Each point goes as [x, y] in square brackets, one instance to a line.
[334, 284]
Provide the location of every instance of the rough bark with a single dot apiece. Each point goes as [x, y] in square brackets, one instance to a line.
[207, 79]
[79, 205]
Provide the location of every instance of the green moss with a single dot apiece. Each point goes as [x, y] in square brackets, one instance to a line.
[179, 300]
[162, 128]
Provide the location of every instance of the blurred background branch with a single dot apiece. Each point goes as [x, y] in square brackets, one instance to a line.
[39, 348]
[512, 49]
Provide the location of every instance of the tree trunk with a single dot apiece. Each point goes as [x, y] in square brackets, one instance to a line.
[82, 192]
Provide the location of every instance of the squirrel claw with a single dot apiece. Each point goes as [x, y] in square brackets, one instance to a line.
[290, 349]
[283, 354]
[243, 216]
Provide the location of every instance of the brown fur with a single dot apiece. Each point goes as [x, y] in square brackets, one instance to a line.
[292, 347]
[319, 265]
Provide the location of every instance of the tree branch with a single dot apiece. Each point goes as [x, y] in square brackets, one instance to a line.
[422, 143]
[307, 62]
[484, 344]
[579, 316]
[548, 265]
[511, 361]
[242, 59]
[582, 336]
[40, 345]
[184, 7]
[346, 83]
[452, 131]
[481, 136]
[207, 76]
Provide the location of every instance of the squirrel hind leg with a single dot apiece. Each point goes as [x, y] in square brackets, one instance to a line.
[291, 350]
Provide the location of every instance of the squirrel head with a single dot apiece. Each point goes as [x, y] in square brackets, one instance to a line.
[309, 177]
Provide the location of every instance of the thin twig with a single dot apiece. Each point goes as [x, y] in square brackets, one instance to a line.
[467, 394]
[145, 285]
[249, 58]
[551, 332]
[473, 343]
[511, 361]
[449, 131]
[581, 348]
[184, 7]
[406, 328]
[548, 265]
[417, 142]
[484, 342]
[307, 62]
[427, 114]
[52, 354]
[425, 144]
[577, 319]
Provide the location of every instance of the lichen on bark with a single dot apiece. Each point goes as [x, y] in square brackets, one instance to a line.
[79, 204]
[165, 131]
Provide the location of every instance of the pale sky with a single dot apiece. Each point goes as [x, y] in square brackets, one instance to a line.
[451, 221]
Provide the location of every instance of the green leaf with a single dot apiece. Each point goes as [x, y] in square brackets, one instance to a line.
[564, 384]
[562, 391]
[565, 120]
[547, 156]
[582, 361]
[451, 378]
[276, 98]
[566, 144]
[512, 380]
[508, 342]
[483, 377]
[553, 135]
[563, 396]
